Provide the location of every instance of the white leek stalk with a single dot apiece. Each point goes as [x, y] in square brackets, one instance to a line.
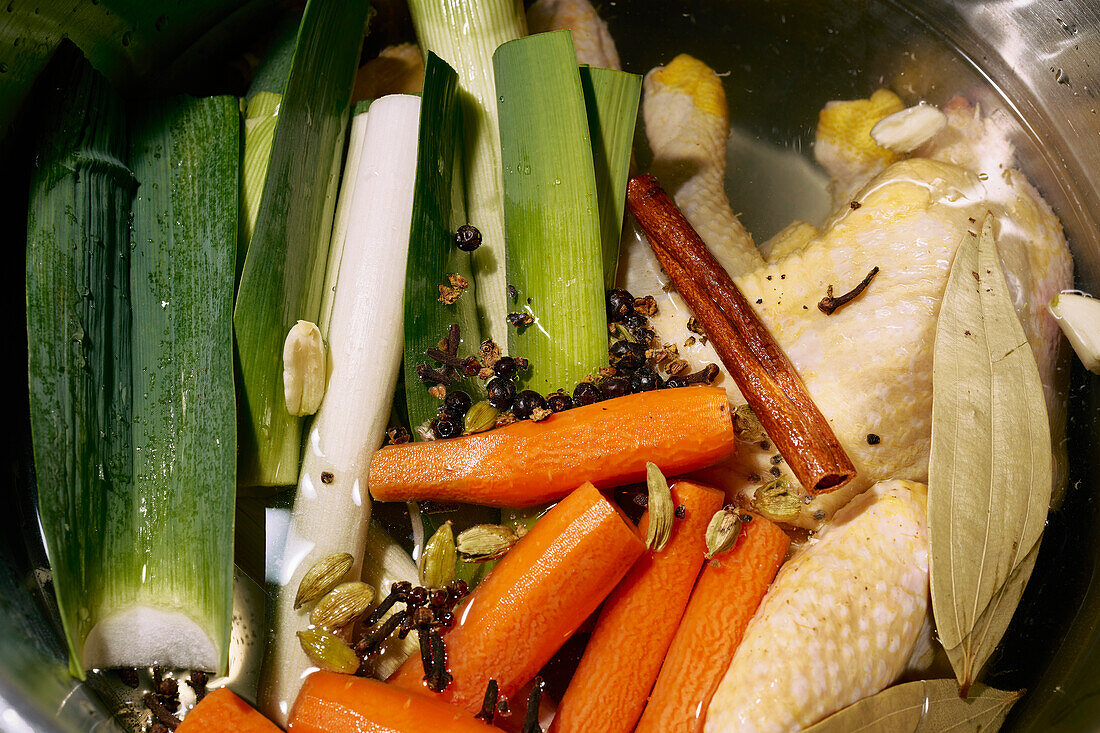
[1078, 316]
[465, 33]
[332, 509]
[385, 562]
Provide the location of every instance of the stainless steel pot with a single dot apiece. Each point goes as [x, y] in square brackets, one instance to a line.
[1038, 60]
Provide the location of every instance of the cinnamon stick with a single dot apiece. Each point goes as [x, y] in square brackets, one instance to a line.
[765, 376]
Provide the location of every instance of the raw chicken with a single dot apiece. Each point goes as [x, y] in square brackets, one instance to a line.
[687, 122]
[868, 366]
[839, 621]
[591, 39]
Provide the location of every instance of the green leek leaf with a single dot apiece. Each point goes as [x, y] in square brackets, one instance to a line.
[555, 249]
[989, 473]
[611, 99]
[185, 154]
[261, 117]
[438, 211]
[465, 34]
[78, 337]
[284, 269]
[132, 404]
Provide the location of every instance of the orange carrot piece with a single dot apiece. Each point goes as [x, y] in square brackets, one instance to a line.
[340, 703]
[220, 712]
[529, 463]
[534, 599]
[726, 596]
[620, 664]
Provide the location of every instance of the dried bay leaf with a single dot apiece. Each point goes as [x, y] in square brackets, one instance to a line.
[925, 705]
[990, 466]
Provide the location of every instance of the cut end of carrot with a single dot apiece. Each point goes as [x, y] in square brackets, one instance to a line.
[222, 711]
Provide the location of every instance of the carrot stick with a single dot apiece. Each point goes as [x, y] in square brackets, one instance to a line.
[339, 703]
[534, 599]
[529, 463]
[222, 711]
[726, 596]
[761, 370]
[609, 689]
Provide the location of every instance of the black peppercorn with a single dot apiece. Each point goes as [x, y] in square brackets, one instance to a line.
[675, 382]
[620, 305]
[645, 379]
[505, 367]
[527, 402]
[447, 426]
[500, 393]
[558, 402]
[627, 354]
[613, 387]
[467, 238]
[586, 393]
[456, 403]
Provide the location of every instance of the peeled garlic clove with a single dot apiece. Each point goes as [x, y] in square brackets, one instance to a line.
[303, 369]
[907, 130]
[1078, 316]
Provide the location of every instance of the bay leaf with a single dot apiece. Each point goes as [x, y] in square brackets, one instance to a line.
[990, 466]
[926, 706]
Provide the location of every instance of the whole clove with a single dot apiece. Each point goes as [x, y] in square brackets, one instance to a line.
[489, 705]
[531, 722]
[829, 304]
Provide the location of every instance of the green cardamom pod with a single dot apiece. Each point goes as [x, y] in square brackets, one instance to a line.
[328, 651]
[484, 542]
[437, 564]
[322, 577]
[722, 530]
[747, 425]
[481, 417]
[343, 605]
[776, 501]
[662, 513]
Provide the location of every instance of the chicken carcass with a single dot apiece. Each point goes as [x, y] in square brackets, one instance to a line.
[868, 366]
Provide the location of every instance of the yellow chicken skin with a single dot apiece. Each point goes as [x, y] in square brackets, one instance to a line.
[844, 147]
[868, 366]
[839, 622]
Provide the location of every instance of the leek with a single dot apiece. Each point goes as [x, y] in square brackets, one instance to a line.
[185, 155]
[132, 407]
[611, 100]
[555, 250]
[437, 213]
[343, 214]
[332, 506]
[385, 562]
[78, 338]
[284, 269]
[261, 116]
[465, 33]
